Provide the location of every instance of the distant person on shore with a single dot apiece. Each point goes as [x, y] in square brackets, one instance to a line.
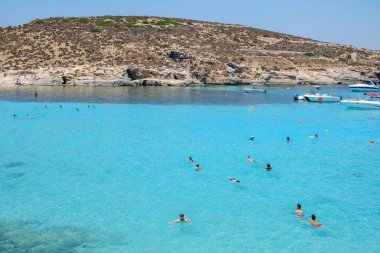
[314, 221]
[234, 180]
[181, 219]
[299, 211]
[250, 159]
[268, 168]
[190, 159]
[288, 139]
[251, 138]
[35, 94]
[198, 168]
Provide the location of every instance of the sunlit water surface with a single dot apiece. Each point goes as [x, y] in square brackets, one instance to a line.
[108, 171]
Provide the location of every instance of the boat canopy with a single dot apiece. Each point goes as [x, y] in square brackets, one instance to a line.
[368, 82]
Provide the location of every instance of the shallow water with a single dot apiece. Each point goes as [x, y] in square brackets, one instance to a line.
[111, 178]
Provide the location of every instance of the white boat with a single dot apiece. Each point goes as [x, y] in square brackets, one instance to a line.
[366, 85]
[321, 98]
[361, 103]
[372, 101]
[299, 97]
[316, 87]
[254, 90]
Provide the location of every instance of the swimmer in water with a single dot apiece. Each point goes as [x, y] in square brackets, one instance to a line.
[251, 138]
[181, 219]
[14, 116]
[198, 168]
[77, 109]
[234, 180]
[299, 211]
[268, 167]
[288, 139]
[250, 159]
[60, 106]
[316, 135]
[314, 221]
[190, 159]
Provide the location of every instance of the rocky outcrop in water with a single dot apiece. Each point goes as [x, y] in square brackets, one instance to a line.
[155, 51]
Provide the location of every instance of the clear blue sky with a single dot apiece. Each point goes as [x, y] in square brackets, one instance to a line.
[351, 22]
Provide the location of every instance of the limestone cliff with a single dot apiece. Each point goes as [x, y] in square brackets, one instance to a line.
[113, 50]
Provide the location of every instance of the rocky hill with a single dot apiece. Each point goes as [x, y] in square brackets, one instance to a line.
[114, 50]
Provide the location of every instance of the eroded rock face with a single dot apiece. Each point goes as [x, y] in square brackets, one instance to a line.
[178, 56]
[235, 67]
[131, 50]
[151, 83]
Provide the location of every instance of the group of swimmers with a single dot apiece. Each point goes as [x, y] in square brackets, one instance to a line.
[313, 220]
[60, 106]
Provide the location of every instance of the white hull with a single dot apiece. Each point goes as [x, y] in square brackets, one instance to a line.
[254, 90]
[365, 104]
[367, 85]
[364, 89]
[321, 98]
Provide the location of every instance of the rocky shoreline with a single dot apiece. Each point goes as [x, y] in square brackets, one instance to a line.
[152, 51]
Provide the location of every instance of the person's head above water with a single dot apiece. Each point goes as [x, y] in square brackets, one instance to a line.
[313, 217]
[197, 165]
[298, 206]
[268, 166]
[288, 138]
[316, 135]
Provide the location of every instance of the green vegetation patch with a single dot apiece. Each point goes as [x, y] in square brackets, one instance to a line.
[84, 20]
[226, 74]
[94, 30]
[309, 54]
[129, 25]
[105, 23]
[167, 22]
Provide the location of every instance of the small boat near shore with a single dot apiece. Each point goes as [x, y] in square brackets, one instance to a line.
[365, 85]
[372, 101]
[321, 98]
[255, 90]
[361, 103]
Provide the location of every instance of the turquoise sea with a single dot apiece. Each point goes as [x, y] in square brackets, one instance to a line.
[108, 171]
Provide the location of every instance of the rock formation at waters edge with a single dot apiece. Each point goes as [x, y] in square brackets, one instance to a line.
[152, 51]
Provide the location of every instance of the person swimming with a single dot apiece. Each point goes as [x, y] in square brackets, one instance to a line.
[268, 167]
[251, 138]
[190, 159]
[316, 135]
[14, 116]
[314, 221]
[288, 139]
[181, 219]
[299, 211]
[234, 180]
[77, 109]
[60, 106]
[250, 159]
[198, 168]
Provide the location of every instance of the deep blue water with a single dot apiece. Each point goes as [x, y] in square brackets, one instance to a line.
[110, 176]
